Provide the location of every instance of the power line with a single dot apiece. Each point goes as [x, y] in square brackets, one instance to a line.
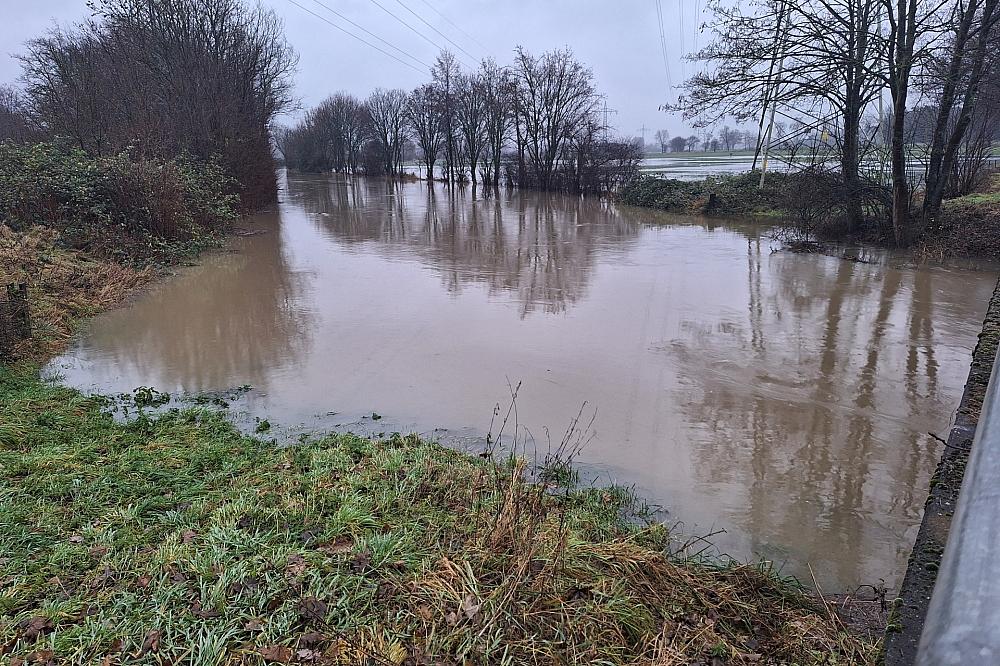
[410, 27]
[680, 33]
[369, 32]
[455, 25]
[663, 49]
[421, 19]
[697, 24]
[360, 39]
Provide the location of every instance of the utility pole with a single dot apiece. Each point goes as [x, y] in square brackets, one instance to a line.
[643, 130]
[779, 55]
[606, 112]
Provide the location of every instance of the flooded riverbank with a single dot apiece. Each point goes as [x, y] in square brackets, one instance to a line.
[785, 398]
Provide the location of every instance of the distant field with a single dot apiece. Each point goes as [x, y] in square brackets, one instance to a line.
[700, 153]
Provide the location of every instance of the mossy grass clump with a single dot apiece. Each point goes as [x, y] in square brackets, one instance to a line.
[173, 538]
[737, 194]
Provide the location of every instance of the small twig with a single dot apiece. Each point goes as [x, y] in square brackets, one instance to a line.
[950, 446]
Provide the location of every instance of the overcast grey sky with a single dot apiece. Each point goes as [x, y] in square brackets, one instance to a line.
[619, 40]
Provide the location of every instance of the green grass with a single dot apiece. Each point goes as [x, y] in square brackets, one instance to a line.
[174, 538]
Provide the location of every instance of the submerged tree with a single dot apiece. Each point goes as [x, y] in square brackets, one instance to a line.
[424, 112]
[556, 97]
[386, 115]
[812, 55]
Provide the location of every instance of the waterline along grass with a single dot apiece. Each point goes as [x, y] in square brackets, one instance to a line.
[172, 538]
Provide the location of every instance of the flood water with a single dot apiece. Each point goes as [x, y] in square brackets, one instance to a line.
[785, 398]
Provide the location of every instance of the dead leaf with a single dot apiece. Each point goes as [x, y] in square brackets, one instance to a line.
[151, 643]
[97, 552]
[33, 627]
[451, 618]
[311, 638]
[311, 608]
[275, 653]
[295, 565]
[254, 624]
[470, 607]
[305, 654]
[76, 538]
[187, 536]
[45, 657]
[144, 581]
[424, 611]
[360, 562]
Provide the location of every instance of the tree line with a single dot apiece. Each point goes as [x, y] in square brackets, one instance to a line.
[535, 123]
[827, 63]
[161, 78]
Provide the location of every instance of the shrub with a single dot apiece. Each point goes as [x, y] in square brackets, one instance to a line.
[132, 207]
[737, 194]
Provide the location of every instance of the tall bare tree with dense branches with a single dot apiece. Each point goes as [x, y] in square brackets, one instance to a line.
[424, 113]
[205, 77]
[815, 56]
[386, 120]
[556, 96]
[964, 67]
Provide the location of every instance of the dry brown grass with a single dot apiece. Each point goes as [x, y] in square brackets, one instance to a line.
[63, 285]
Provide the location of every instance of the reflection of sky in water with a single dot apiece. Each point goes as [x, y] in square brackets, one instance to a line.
[783, 397]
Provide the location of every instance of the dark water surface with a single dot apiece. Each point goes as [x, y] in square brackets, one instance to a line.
[785, 398]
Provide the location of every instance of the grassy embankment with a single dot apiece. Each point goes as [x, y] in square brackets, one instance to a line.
[84, 232]
[738, 194]
[967, 226]
[173, 538]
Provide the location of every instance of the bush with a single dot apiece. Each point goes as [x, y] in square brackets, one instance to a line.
[738, 194]
[131, 207]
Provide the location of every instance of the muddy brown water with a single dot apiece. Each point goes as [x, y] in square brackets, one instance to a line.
[784, 398]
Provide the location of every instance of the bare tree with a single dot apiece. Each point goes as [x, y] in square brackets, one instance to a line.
[341, 119]
[556, 96]
[424, 114]
[444, 75]
[14, 122]
[662, 138]
[813, 55]
[498, 90]
[386, 110]
[471, 119]
[974, 37]
[203, 76]
[729, 137]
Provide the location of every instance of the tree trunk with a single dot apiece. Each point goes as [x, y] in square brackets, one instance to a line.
[944, 148]
[850, 163]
